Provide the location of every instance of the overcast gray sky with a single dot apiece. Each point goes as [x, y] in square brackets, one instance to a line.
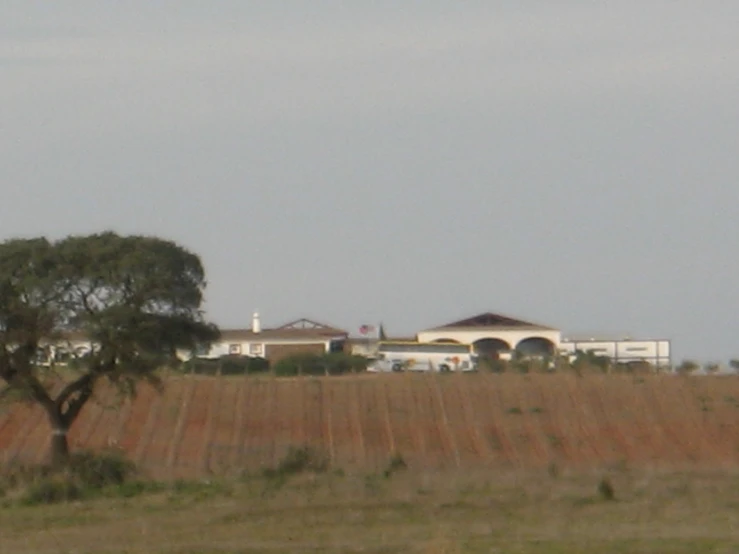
[572, 163]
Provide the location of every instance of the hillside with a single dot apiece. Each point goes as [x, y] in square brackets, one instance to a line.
[208, 424]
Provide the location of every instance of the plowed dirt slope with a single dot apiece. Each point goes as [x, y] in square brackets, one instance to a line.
[203, 425]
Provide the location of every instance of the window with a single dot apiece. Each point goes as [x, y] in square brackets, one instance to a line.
[637, 349]
[430, 347]
[234, 349]
[336, 346]
[42, 356]
[256, 349]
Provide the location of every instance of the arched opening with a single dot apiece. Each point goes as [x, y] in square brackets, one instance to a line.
[490, 348]
[81, 351]
[446, 341]
[535, 346]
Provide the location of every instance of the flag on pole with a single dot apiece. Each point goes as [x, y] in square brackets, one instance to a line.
[367, 329]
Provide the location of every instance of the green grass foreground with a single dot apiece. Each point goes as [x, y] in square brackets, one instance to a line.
[296, 508]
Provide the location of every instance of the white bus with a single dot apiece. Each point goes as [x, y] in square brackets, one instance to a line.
[423, 356]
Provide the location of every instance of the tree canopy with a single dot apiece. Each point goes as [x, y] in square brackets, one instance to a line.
[135, 299]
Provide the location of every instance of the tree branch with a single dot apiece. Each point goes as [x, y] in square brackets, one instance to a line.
[83, 387]
[76, 405]
[32, 385]
[85, 300]
[85, 381]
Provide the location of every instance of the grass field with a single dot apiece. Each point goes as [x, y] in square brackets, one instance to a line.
[414, 512]
[494, 463]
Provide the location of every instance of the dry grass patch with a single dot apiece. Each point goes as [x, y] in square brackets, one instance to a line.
[423, 512]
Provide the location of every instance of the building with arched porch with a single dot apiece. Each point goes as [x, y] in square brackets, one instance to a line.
[496, 336]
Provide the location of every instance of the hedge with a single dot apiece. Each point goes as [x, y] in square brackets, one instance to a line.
[337, 363]
[228, 365]
[319, 364]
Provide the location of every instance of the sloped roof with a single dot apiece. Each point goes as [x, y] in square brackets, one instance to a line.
[300, 329]
[490, 320]
[279, 334]
[307, 324]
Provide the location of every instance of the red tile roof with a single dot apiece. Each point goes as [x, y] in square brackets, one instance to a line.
[491, 320]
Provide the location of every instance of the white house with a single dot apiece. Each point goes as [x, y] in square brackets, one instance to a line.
[70, 345]
[300, 336]
[296, 337]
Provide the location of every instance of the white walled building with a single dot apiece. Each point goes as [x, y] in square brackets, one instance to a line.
[496, 335]
[500, 336]
[653, 351]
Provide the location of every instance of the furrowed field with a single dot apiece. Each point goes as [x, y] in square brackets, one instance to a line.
[205, 425]
[413, 463]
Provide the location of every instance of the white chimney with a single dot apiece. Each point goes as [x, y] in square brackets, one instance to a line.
[256, 325]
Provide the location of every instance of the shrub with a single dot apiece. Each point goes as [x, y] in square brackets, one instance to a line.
[340, 363]
[241, 365]
[200, 366]
[492, 365]
[638, 367]
[100, 470]
[15, 476]
[198, 490]
[523, 366]
[85, 474]
[336, 363]
[606, 490]
[687, 367]
[712, 368]
[257, 365]
[396, 463]
[299, 460]
[227, 365]
[299, 364]
[51, 491]
[130, 489]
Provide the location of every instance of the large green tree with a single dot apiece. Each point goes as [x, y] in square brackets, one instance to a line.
[136, 299]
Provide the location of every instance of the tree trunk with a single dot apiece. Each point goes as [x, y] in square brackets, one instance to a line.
[59, 446]
[59, 443]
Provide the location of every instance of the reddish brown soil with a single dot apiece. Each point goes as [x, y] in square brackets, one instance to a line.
[205, 425]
